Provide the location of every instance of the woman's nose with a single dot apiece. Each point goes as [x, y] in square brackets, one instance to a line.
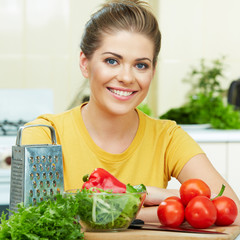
[126, 75]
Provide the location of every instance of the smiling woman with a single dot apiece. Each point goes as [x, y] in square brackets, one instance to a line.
[125, 72]
[118, 56]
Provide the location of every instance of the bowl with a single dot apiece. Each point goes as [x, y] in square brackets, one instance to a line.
[104, 212]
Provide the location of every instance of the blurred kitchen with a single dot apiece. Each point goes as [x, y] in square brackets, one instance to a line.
[39, 72]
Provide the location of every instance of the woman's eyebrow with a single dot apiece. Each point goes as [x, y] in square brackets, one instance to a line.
[145, 58]
[120, 57]
[114, 54]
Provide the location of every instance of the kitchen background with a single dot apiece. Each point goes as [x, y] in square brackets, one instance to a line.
[39, 49]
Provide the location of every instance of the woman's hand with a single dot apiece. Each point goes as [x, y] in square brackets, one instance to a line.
[156, 195]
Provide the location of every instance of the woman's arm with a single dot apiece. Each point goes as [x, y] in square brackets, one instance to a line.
[197, 167]
[153, 199]
[200, 167]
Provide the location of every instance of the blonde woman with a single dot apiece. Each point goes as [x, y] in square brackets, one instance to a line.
[119, 51]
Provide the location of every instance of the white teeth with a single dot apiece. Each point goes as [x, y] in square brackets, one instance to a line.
[121, 93]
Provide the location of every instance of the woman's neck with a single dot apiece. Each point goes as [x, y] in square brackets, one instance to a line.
[113, 133]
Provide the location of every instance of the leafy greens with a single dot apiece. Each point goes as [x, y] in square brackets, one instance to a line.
[102, 210]
[50, 219]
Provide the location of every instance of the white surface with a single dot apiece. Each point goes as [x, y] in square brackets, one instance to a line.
[214, 135]
[25, 104]
[6, 143]
[5, 176]
[189, 127]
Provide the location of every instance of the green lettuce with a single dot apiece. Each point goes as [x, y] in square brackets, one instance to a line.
[50, 219]
[108, 211]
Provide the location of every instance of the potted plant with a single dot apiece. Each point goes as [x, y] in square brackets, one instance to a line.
[206, 104]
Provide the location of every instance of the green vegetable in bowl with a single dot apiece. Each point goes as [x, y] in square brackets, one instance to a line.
[101, 210]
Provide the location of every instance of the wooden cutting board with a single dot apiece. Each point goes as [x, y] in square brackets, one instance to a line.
[130, 234]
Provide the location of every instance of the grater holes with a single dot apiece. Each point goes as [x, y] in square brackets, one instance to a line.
[44, 192]
[34, 168]
[31, 176]
[41, 184]
[58, 190]
[31, 160]
[38, 159]
[37, 176]
[34, 201]
[57, 175]
[38, 192]
[51, 175]
[44, 175]
[44, 159]
[49, 159]
[56, 159]
[48, 184]
[51, 192]
[31, 193]
[54, 183]
[47, 167]
[41, 167]
[34, 184]
[54, 167]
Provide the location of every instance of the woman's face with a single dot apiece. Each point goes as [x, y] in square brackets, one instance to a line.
[120, 72]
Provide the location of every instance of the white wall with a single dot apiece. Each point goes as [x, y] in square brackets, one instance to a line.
[39, 44]
[191, 30]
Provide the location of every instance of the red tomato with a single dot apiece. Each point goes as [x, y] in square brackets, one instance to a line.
[201, 212]
[171, 212]
[175, 198]
[192, 188]
[226, 210]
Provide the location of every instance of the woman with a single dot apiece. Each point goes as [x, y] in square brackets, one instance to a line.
[119, 51]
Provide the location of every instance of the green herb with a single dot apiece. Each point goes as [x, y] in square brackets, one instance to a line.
[145, 108]
[104, 210]
[50, 219]
[205, 102]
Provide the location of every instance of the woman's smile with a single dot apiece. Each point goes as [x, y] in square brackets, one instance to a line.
[121, 93]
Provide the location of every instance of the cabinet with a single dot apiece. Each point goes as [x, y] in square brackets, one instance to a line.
[223, 149]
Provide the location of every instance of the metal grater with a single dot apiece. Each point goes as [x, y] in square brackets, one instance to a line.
[36, 171]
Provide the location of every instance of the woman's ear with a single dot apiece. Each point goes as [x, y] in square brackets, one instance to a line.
[83, 64]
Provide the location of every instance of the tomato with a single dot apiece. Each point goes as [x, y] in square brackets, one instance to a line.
[171, 212]
[192, 188]
[201, 212]
[175, 198]
[226, 210]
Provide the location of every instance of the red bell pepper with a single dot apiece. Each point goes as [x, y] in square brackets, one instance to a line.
[102, 179]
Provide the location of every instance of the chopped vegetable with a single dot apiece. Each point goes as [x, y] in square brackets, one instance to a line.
[106, 210]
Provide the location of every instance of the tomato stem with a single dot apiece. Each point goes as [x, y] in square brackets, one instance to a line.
[221, 192]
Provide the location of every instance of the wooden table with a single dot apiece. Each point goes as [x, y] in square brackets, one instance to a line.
[231, 233]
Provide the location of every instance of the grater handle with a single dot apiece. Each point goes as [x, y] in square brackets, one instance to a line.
[19, 133]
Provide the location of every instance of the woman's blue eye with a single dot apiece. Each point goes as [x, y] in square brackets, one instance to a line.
[141, 66]
[111, 61]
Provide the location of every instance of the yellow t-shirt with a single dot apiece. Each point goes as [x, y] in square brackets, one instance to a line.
[159, 150]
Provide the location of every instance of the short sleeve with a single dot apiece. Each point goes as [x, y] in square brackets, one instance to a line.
[181, 148]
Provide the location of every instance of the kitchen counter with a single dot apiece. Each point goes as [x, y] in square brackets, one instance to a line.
[232, 232]
[214, 135]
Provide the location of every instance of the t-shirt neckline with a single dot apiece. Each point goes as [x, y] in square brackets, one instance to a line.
[106, 155]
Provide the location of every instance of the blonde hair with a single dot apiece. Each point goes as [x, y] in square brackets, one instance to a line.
[116, 15]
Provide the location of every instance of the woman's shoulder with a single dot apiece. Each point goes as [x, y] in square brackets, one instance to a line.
[156, 122]
[58, 118]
